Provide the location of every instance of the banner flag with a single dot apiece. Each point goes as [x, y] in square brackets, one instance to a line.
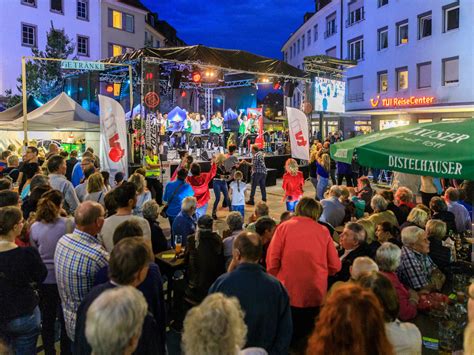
[256, 114]
[299, 139]
[113, 137]
[151, 131]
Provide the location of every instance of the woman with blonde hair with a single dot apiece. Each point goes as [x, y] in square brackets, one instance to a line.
[323, 168]
[95, 188]
[293, 182]
[143, 194]
[417, 217]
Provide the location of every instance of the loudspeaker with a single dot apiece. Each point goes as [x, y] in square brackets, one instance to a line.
[205, 155]
[175, 78]
[289, 89]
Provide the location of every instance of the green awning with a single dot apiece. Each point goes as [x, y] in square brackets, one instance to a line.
[441, 149]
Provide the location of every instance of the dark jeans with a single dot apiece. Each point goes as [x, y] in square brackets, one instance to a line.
[333, 176]
[220, 186]
[258, 179]
[348, 178]
[22, 332]
[156, 189]
[303, 324]
[171, 220]
[50, 305]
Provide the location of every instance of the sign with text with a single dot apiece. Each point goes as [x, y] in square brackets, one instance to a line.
[402, 101]
[81, 65]
[299, 139]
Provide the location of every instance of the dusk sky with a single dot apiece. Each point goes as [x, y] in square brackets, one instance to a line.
[258, 26]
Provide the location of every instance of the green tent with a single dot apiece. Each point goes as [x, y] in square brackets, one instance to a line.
[442, 149]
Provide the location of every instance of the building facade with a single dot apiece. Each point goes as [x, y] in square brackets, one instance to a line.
[415, 59]
[98, 28]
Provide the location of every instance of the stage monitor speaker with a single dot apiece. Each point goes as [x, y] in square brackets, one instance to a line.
[205, 155]
[164, 157]
[289, 89]
[175, 78]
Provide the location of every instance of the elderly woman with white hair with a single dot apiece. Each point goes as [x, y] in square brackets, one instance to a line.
[417, 270]
[235, 222]
[185, 222]
[115, 321]
[381, 214]
[416, 218]
[151, 210]
[388, 260]
[216, 327]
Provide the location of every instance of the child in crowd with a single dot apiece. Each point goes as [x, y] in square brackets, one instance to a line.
[358, 203]
[237, 190]
[293, 182]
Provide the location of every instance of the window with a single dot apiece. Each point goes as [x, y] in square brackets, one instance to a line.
[402, 78]
[382, 81]
[303, 42]
[28, 35]
[451, 16]
[29, 2]
[356, 49]
[294, 49]
[315, 32]
[115, 50]
[308, 35]
[383, 3]
[402, 32]
[330, 25]
[382, 34]
[57, 6]
[424, 25]
[158, 44]
[355, 15]
[331, 52]
[83, 46]
[423, 75]
[83, 9]
[298, 46]
[355, 91]
[450, 71]
[121, 21]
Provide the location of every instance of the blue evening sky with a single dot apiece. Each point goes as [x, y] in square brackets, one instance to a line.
[258, 26]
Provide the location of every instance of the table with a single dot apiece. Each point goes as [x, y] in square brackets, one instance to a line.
[169, 264]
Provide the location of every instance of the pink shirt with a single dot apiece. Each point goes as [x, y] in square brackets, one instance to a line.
[302, 255]
[407, 309]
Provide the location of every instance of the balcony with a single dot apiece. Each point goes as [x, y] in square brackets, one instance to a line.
[356, 97]
[330, 32]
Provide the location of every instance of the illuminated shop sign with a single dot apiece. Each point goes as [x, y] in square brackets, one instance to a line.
[402, 101]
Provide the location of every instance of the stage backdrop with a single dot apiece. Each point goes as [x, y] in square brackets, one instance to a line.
[257, 112]
[298, 125]
[113, 137]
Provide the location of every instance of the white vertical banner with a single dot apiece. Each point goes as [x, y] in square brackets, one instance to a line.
[113, 137]
[299, 139]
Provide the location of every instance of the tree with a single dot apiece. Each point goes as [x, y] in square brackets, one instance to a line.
[44, 79]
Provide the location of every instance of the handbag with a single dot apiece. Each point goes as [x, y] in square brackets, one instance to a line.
[165, 207]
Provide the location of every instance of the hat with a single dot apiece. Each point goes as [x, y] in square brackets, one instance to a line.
[205, 222]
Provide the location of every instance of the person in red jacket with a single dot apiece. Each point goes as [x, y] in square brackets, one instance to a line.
[293, 182]
[200, 183]
[302, 255]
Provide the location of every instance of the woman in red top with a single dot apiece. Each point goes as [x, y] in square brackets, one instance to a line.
[200, 183]
[293, 182]
[302, 255]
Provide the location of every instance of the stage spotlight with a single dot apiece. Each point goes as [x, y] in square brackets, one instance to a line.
[183, 93]
[219, 101]
[264, 80]
[109, 88]
[276, 84]
[149, 76]
[196, 76]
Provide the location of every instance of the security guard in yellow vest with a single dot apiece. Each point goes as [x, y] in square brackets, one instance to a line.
[153, 171]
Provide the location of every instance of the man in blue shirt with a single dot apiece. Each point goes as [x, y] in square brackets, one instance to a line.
[186, 221]
[263, 298]
[175, 193]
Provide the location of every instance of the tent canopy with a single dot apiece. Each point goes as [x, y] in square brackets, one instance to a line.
[16, 111]
[229, 59]
[59, 114]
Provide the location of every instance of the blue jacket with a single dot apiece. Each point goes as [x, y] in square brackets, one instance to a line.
[174, 206]
[183, 225]
[265, 303]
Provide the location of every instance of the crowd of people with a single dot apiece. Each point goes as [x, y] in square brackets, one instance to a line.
[340, 272]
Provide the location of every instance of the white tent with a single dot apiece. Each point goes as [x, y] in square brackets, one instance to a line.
[59, 114]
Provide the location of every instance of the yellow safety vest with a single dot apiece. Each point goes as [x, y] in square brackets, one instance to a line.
[154, 161]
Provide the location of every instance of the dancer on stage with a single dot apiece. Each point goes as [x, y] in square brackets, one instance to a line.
[217, 129]
[196, 130]
[188, 128]
[164, 125]
[243, 125]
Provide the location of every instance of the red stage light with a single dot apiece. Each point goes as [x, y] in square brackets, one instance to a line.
[109, 88]
[196, 76]
[149, 76]
[276, 85]
[183, 93]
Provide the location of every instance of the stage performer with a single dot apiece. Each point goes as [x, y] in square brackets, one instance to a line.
[152, 164]
[259, 174]
[200, 183]
[188, 128]
[163, 126]
[243, 124]
[196, 131]
[293, 182]
[217, 129]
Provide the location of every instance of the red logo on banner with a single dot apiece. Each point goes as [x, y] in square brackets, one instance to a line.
[300, 139]
[152, 100]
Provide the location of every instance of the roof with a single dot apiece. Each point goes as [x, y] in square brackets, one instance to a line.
[135, 3]
[61, 113]
[226, 59]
